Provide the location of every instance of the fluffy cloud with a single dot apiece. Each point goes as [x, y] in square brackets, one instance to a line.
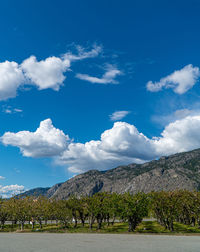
[11, 190]
[11, 77]
[80, 157]
[1, 177]
[45, 141]
[180, 81]
[181, 135]
[107, 78]
[125, 140]
[122, 144]
[118, 115]
[47, 73]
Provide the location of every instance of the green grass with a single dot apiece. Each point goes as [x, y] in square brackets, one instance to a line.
[156, 228]
[146, 227]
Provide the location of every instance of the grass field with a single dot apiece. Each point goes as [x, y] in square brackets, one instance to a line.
[146, 227]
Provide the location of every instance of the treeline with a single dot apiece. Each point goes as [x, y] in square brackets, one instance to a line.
[168, 207]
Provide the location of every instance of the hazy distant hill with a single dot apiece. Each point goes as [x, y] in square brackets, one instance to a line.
[179, 171]
[36, 192]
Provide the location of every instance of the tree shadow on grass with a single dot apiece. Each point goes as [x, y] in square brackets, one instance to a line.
[151, 227]
[181, 228]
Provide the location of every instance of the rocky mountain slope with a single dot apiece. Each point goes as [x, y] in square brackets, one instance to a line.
[179, 171]
[36, 192]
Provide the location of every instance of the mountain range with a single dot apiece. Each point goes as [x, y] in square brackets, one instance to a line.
[178, 171]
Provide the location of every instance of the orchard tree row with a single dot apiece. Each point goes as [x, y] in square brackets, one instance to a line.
[167, 207]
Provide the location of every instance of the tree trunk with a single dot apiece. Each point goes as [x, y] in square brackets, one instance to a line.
[91, 222]
[83, 222]
[108, 221]
[130, 226]
[40, 222]
[2, 224]
[82, 217]
[113, 221]
[22, 225]
[198, 221]
[75, 223]
[193, 221]
[171, 226]
[168, 224]
[99, 221]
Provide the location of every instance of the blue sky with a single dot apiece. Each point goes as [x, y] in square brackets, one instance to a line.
[95, 63]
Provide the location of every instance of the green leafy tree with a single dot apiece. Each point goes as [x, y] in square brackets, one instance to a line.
[41, 210]
[22, 209]
[82, 209]
[63, 212]
[3, 212]
[165, 206]
[73, 203]
[134, 208]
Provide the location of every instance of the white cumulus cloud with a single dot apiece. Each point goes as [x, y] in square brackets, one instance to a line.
[48, 73]
[181, 135]
[107, 78]
[180, 81]
[11, 190]
[123, 144]
[44, 74]
[1, 177]
[45, 141]
[11, 77]
[124, 139]
[79, 157]
[118, 115]
[120, 145]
